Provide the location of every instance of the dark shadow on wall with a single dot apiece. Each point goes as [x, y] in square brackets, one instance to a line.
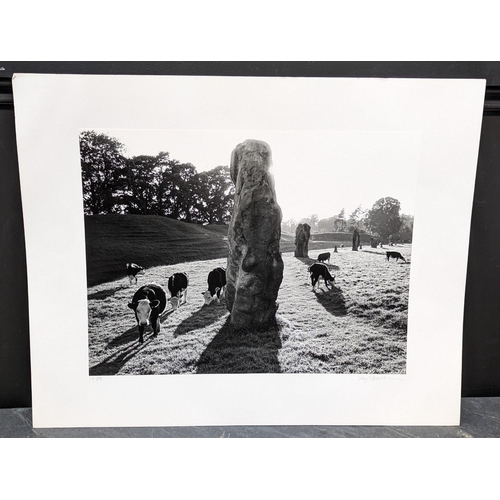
[242, 351]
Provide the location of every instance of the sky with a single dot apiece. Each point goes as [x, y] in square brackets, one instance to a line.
[316, 172]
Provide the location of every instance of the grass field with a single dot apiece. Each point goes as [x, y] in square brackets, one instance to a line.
[358, 327]
[113, 240]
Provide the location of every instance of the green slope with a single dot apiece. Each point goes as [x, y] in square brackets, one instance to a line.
[149, 240]
[114, 240]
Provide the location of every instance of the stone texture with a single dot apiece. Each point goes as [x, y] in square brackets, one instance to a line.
[302, 235]
[356, 240]
[254, 266]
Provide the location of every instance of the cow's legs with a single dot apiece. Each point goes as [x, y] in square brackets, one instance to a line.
[155, 323]
[314, 281]
[141, 334]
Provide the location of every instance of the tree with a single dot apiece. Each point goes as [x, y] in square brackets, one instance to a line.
[178, 185]
[383, 218]
[217, 198]
[340, 223]
[103, 164]
[405, 234]
[356, 220]
[327, 225]
[151, 185]
[312, 220]
[289, 226]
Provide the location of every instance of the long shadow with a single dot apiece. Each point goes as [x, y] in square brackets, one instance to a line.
[104, 294]
[129, 341]
[306, 260]
[204, 316]
[242, 351]
[132, 334]
[113, 363]
[333, 301]
[309, 262]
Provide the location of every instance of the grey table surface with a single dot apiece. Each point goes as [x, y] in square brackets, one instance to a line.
[480, 418]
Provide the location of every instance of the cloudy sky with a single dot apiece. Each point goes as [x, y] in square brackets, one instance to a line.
[316, 172]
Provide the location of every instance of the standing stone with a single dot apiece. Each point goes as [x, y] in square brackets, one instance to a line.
[356, 240]
[302, 235]
[254, 265]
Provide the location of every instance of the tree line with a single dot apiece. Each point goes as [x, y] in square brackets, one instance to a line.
[151, 185]
[384, 220]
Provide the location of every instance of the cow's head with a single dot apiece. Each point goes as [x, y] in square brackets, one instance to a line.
[208, 298]
[142, 309]
[330, 282]
[175, 302]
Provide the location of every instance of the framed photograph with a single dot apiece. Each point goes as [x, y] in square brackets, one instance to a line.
[246, 251]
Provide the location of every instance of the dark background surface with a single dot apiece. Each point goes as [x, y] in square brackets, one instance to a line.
[481, 337]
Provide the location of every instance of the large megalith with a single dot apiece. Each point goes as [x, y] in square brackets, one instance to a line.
[254, 265]
[302, 235]
[356, 240]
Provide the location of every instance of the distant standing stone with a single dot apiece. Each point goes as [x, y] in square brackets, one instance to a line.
[254, 266]
[302, 235]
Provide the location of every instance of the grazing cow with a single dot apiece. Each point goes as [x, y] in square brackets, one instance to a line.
[133, 270]
[216, 285]
[321, 271]
[394, 255]
[148, 303]
[177, 285]
[322, 257]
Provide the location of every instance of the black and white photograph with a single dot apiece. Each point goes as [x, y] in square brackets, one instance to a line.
[246, 251]
[225, 252]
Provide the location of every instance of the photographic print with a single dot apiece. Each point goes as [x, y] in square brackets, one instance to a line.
[169, 238]
[246, 251]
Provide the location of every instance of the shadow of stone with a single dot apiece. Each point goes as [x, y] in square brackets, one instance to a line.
[104, 294]
[242, 351]
[333, 301]
[309, 262]
[204, 316]
[306, 260]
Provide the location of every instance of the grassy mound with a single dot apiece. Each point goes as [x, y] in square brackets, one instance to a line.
[113, 240]
[149, 240]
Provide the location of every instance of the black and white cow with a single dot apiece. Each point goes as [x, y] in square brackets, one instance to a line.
[133, 270]
[177, 286]
[148, 303]
[323, 257]
[318, 271]
[216, 285]
[394, 255]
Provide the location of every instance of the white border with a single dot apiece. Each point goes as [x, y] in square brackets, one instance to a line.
[51, 110]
